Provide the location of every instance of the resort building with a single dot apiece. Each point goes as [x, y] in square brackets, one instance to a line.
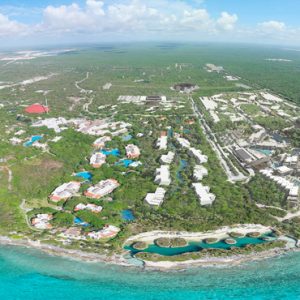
[100, 142]
[57, 124]
[157, 198]
[132, 151]
[198, 155]
[162, 142]
[291, 188]
[210, 105]
[292, 161]
[284, 171]
[199, 172]
[183, 142]
[102, 189]
[100, 127]
[109, 231]
[163, 175]
[167, 158]
[97, 159]
[41, 221]
[37, 109]
[73, 233]
[119, 132]
[92, 207]
[214, 68]
[205, 197]
[243, 155]
[247, 157]
[65, 191]
[257, 136]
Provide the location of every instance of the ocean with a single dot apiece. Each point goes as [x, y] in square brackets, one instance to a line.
[31, 274]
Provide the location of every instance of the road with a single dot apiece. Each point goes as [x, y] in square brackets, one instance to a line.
[218, 150]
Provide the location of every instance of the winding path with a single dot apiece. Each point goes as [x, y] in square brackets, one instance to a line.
[85, 106]
[10, 176]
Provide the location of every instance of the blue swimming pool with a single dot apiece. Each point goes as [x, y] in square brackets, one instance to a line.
[264, 151]
[113, 152]
[78, 221]
[127, 215]
[124, 162]
[85, 175]
[198, 246]
[33, 139]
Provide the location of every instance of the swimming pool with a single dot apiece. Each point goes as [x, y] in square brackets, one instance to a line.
[113, 152]
[78, 221]
[127, 215]
[265, 151]
[124, 162]
[33, 139]
[85, 175]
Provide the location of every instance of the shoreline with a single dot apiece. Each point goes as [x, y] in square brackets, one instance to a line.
[73, 254]
[119, 260]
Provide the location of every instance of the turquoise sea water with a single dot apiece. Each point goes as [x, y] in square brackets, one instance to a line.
[29, 274]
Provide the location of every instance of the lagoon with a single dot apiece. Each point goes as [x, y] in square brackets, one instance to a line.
[198, 246]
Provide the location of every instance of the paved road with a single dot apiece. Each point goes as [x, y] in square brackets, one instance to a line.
[219, 151]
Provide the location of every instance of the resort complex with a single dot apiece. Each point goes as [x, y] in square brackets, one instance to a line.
[149, 162]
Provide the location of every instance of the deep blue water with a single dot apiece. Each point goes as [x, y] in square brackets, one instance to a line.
[29, 274]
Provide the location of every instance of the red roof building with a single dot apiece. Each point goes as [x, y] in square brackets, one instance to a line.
[37, 109]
